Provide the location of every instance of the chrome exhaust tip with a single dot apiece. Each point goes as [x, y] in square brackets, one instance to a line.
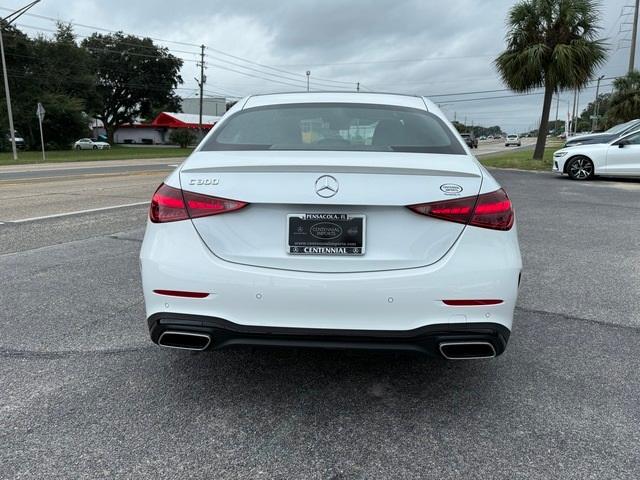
[467, 350]
[184, 340]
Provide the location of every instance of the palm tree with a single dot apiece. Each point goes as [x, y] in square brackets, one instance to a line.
[550, 44]
[625, 101]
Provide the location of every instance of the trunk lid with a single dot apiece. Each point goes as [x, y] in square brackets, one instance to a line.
[378, 185]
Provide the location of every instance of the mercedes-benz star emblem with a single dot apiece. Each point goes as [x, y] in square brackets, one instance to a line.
[326, 186]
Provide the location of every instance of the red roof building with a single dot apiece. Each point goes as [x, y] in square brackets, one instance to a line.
[157, 132]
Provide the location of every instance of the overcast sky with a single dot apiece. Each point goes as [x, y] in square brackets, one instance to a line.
[415, 46]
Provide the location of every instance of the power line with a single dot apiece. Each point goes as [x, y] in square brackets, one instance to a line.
[415, 60]
[180, 43]
[100, 29]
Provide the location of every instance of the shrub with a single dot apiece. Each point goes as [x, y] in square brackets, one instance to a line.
[182, 137]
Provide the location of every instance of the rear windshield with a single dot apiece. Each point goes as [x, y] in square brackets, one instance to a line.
[620, 128]
[331, 126]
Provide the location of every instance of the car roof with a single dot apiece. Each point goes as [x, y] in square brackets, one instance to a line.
[400, 100]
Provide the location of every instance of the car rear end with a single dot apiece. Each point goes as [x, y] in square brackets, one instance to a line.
[326, 242]
[512, 140]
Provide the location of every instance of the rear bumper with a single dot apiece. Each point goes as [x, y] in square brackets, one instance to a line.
[424, 340]
[482, 264]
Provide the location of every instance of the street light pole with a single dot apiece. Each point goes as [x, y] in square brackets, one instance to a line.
[308, 75]
[8, 20]
[634, 37]
[596, 104]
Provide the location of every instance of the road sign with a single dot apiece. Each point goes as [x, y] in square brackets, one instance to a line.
[40, 111]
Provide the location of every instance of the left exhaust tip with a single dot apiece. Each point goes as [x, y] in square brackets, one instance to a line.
[467, 350]
[184, 340]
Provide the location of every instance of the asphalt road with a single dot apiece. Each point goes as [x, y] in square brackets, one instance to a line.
[86, 395]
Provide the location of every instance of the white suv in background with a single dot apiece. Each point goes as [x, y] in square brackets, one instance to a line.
[512, 140]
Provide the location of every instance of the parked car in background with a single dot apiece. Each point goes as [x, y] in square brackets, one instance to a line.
[619, 157]
[482, 137]
[470, 140]
[512, 140]
[604, 137]
[402, 241]
[88, 144]
[20, 143]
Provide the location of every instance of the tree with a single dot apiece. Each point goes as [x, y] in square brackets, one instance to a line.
[182, 137]
[551, 44]
[55, 72]
[134, 76]
[625, 101]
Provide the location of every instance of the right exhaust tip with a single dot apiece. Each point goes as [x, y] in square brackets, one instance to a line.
[184, 340]
[472, 350]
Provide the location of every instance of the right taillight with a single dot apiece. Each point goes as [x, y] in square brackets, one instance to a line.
[489, 210]
[170, 204]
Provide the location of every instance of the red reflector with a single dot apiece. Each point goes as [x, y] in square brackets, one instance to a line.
[489, 210]
[172, 204]
[471, 303]
[178, 293]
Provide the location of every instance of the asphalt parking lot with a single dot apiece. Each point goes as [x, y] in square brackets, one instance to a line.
[86, 395]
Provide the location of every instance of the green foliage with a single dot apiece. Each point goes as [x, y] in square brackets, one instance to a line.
[625, 101]
[183, 137]
[551, 44]
[133, 76]
[55, 72]
[64, 121]
[478, 130]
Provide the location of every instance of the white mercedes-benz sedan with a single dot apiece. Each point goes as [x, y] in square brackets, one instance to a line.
[618, 158]
[332, 220]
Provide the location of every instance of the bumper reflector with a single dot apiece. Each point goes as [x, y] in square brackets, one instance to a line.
[178, 293]
[471, 303]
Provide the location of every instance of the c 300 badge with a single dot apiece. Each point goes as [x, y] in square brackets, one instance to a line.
[451, 189]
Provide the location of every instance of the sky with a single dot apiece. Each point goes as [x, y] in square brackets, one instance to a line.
[443, 50]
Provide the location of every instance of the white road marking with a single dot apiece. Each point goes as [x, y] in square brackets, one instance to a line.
[172, 165]
[56, 215]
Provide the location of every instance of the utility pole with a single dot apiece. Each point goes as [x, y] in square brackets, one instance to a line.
[357, 87]
[575, 127]
[555, 125]
[573, 110]
[308, 75]
[634, 35]
[201, 83]
[596, 104]
[6, 21]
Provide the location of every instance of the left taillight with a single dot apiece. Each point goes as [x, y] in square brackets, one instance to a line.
[170, 204]
[490, 210]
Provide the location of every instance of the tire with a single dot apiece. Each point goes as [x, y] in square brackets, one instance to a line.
[95, 147]
[78, 147]
[580, 168]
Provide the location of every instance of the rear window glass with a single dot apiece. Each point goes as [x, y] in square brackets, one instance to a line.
[330, 126]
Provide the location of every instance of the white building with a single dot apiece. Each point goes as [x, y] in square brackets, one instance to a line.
[215, 106]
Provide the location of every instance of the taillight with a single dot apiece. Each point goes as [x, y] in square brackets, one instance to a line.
[167, 205]
[170, 204]
[489, 210]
